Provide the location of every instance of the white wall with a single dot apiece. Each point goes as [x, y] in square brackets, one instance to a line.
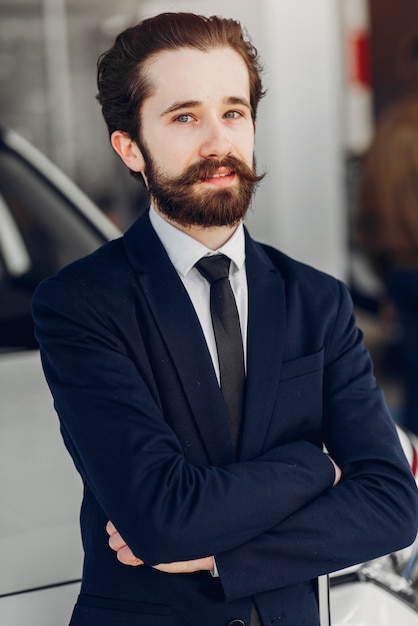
[300, 205]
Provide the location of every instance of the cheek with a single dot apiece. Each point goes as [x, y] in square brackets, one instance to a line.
[246, 149]
[248, 155]
[175, 155]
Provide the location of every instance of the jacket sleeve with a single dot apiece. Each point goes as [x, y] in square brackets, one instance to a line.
[165, 508]
[371, 512]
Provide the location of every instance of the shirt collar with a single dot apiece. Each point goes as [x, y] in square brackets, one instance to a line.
[184, 251]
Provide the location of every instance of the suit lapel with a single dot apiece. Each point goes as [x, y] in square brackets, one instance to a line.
[266, 336]
[179, 326]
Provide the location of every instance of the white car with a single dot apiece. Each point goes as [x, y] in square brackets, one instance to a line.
[46, 222]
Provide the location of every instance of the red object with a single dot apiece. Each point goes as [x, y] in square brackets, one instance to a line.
[360, 58]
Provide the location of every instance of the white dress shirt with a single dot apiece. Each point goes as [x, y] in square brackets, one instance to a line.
[184, 251]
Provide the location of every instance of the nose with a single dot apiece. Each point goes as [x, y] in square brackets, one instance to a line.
[215, 142]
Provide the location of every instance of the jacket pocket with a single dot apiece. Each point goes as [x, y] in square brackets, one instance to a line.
[298, 407]
[98, 611]
[303, 366]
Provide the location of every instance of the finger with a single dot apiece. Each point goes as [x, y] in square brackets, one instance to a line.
[180, 567]
[110, 528]
[116, 542]
[186, 567]
[127, 557]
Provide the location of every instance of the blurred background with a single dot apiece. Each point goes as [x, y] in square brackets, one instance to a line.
[332, 68]
[337, 135]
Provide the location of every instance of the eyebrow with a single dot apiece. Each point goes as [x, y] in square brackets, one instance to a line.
[193, 104]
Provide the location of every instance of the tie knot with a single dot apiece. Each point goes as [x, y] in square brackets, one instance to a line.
[214, 267]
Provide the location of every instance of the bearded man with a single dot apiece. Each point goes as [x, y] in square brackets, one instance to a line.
[199, 376]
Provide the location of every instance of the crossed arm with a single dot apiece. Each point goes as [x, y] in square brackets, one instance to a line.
[127, 557]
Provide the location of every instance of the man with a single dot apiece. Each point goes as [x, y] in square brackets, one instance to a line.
[215, 521]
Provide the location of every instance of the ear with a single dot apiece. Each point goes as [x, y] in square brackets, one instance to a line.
[128, 150]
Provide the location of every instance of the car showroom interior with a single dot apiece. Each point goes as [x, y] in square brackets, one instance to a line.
[340, 74]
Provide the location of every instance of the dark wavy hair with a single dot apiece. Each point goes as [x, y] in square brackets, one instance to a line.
[122, 83]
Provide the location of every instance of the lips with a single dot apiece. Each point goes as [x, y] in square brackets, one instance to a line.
[218, 174]
[222, 175]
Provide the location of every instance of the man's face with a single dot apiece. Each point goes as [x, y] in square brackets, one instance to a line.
[197, 136]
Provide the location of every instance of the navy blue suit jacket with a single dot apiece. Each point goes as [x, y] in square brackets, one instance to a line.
[143, 418]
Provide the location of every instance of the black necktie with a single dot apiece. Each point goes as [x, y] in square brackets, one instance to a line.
[226, 327]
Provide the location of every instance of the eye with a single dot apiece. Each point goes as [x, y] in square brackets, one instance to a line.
[184, 118]
[233, 114]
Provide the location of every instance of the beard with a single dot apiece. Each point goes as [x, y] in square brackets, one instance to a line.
[180, 199]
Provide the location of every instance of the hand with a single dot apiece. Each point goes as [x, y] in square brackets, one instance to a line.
[187, 567]
[123, 551]
[127, 557]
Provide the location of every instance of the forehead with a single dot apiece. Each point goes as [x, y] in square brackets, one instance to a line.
[191, 74]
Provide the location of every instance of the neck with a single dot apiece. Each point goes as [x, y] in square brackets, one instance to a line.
[213, 237]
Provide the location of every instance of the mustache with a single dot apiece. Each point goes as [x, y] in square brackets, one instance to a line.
[208, 167]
